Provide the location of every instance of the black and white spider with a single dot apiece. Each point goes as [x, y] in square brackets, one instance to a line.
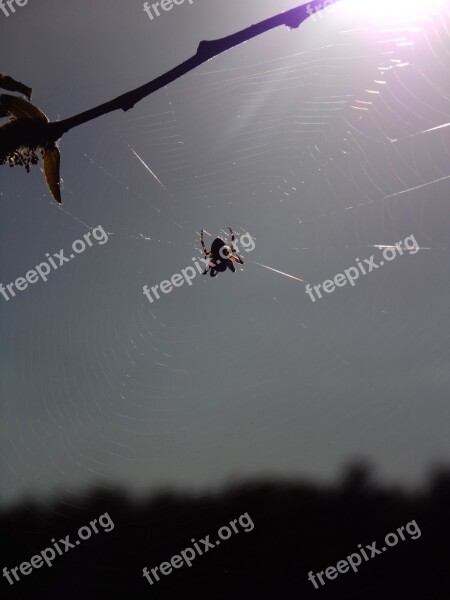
[220, 256]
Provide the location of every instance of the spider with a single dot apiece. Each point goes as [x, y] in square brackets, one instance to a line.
[220, 256]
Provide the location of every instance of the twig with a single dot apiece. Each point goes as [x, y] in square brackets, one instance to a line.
[206, 51]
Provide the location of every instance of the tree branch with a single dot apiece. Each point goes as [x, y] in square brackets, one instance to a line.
[206, 50]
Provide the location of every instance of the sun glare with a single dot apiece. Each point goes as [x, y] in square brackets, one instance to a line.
[393, 10]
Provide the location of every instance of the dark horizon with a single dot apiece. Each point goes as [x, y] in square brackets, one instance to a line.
[288, 530]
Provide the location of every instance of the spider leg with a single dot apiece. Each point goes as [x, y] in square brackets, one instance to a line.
[210, 265]
[230, 265]
[237, 258]
[204, 248]
[233, 249]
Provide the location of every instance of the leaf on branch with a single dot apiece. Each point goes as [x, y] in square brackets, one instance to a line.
[10, 84]
[52, 160]
[26, 136]
[20, 109]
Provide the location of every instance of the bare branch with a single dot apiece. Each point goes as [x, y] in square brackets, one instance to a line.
[206, 50]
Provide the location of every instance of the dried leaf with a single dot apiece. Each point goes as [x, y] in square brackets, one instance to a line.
[8, 83]
[20, 137]
[51, 171]
[3, 111]
[20, 108]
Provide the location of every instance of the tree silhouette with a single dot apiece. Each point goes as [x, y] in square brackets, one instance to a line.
[300, 526]
[29, 132]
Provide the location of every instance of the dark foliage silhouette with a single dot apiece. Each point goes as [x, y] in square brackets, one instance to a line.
[298, 527]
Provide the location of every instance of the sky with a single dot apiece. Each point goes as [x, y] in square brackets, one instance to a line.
[324, 144]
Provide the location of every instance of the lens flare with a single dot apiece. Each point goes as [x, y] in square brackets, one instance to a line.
[393, 10]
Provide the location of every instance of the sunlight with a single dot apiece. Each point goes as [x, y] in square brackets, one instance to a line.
[399, 10]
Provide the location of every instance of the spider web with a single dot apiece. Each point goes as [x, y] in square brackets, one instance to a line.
[294, 123]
